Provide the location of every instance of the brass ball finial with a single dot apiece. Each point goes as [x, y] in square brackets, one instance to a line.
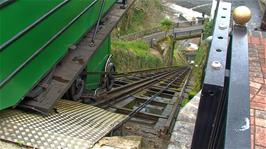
[241, 15]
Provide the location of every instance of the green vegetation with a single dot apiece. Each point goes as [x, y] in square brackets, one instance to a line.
[166, 24]
[207, 31]
[201, 58]
[191, 94]
[133, 55]
[144, 14]
[137, 55]
[184, 102]
[166, 53]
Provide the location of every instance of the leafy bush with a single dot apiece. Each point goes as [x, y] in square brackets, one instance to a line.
[208, 28]
[166, 24]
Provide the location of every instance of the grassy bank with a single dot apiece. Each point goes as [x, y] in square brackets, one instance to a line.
[144, 14]
[133, 55]
[137, 55]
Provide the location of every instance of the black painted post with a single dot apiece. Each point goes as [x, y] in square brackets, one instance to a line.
[207, 128]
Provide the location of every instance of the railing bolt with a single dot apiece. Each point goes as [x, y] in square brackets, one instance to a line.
[216, 65]
[222, 26]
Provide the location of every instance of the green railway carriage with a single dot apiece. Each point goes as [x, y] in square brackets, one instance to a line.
[36, 34]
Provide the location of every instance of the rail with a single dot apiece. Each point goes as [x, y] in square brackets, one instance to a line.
[135, 86]
[223, 114]
[152, 98]
[144, 71]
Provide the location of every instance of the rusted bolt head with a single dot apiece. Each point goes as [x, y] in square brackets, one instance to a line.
[241, 15]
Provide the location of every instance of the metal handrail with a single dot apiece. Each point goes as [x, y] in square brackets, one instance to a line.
[223, 114]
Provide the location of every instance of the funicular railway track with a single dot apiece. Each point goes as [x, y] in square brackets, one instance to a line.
[151, 100]
[73, 124]
[143, 103]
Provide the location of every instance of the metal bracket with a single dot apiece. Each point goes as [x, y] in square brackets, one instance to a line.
[98, 24]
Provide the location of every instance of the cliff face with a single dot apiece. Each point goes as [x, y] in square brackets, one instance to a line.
[143, 15]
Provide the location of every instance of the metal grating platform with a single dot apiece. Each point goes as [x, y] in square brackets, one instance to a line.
[74, 125]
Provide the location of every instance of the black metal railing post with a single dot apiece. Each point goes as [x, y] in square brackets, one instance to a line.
[237, 134]
[223, 114]
[213, 86]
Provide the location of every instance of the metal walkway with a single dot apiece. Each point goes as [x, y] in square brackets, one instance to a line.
[72, 125]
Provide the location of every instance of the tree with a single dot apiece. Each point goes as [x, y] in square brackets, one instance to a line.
[166, 24]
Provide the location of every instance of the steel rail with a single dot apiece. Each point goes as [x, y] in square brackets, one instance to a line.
[117, 75]
[177, 104]
[144, 71]
[138, 89]
[120, 91]
[134, 112]
[119, 88]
